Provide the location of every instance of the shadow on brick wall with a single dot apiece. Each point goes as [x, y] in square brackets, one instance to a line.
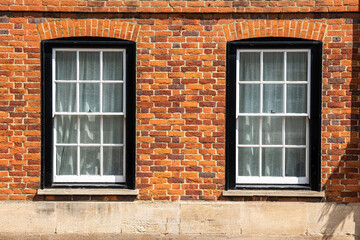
[343, 183]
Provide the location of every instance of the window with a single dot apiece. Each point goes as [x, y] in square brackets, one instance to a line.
[273, 113]
[88, 112]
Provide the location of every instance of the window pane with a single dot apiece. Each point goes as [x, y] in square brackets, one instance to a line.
[113, 161]
[273, 98]
[66, 129]
[295, 162]
[65, 97]
[271, 162]
[89, 129]
[248, 130]
[248, 162]
[65, 65]
[89, 97]
[66, 160]
[89, 64]
[112, 97]
[89, 160]
[296, 101]
[113, 129]
[249, 98]
[297, 65]
[273, 66]
[113, 66]
[295, 130]
[271, 131]
[249, 66]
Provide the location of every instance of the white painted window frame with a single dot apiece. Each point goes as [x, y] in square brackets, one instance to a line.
[272, 179]
[88, 178]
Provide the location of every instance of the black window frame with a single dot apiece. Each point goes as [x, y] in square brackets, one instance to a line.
[46, 108]
[315, 109]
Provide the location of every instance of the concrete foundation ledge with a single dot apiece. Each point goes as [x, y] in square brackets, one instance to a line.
[178, 220]
[126, 236]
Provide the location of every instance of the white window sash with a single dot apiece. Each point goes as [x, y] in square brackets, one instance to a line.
[88, 178]
[272, 179]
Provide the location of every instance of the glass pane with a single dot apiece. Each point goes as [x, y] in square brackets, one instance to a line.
[271, 162]
[66, 129]
[89, 64]
[273, 98]
[113, 129]
[296, 66]
[249, 66]
[273, 66]
[248, 162]
[65, 65]
[296, 101]
[112, 97]
[249, 98]
[66, 158]
[295, 130]
[113, 161]
[113, 66]
[65, 97]
[295, 159]
[89, 160]
[89, 97]
[271, 130]
[248, 129]
[89, 129]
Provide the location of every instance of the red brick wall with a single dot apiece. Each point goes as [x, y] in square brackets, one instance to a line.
[180, 86]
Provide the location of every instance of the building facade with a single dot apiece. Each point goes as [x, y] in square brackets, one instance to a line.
[180, 118]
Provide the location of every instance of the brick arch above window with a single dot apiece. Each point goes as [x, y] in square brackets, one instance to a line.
[275, 28]
[88, 28]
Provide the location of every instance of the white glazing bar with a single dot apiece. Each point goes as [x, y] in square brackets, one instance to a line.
[273, 114]
[285, 80]
[271, 146]
[124, 86]
[124, 110]
[309, 84]
[88, 81]
[261, 111]
[307, 167]
[237, 83]
[270, 82]
[53, 82]
[101, 117]
[91, 49]
[283, 146]
[261, 82]
[272, 180]
[77, 111]
[90, 178]
[124, 149]
[91, 114]
[54, 150]
[89, 145]
[237, 105]
[101, 78]
[272, 50]
[283, 118]
[53, 111]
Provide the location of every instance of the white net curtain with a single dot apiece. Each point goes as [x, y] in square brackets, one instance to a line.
[279, 139]
[84, 130]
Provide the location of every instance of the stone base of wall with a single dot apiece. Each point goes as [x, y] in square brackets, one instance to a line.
[179, 220]
[127, 236]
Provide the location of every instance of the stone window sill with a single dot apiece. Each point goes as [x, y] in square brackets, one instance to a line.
[273, 193]
[74, 191]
